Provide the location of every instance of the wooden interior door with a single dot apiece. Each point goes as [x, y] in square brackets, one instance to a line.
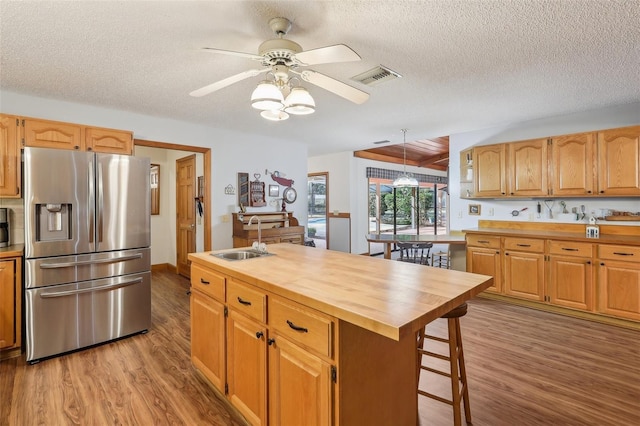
[185, 212]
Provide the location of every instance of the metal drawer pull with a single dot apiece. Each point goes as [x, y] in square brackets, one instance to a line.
[523, 245]
[569, 249]
[244, 302]
[622, 254]
[90, 289]
[296, 328]
[89, 262]
[202, 280]
[483, 242]
[259, 334]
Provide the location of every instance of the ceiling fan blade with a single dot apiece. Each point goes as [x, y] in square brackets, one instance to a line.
[325, 55]
[233, 53]
[226, 82]
[352, 94]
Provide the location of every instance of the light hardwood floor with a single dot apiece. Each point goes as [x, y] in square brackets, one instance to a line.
[524, 367]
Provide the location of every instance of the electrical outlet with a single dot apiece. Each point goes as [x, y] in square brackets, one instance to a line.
[491, 211]
[460, 214]
[225, 218]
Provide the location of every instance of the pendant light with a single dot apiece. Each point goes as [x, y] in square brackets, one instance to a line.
[267, 96]
[405, 180]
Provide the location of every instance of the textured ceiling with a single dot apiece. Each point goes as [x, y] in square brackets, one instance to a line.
[466, 65]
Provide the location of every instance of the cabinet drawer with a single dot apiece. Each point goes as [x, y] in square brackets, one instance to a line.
[626, 253]
[311, 329]
[247, 300]
[483, 241]
[568, 248]
[524, 244]
[207, 281]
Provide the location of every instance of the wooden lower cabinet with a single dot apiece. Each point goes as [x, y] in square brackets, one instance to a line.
[619, 281]
[591, 277]
[10, 307]
[247, 367]
[524, 275]
[208, 337]
[300, 388]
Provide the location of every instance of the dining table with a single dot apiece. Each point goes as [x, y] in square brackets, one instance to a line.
[457, 245]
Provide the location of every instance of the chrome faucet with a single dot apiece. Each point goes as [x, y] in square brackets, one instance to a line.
[261, 247]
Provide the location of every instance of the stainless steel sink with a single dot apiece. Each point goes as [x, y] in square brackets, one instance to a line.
[240, 254]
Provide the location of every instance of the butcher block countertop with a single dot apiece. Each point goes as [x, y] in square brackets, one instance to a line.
[388, 297]
[609, 234]
[15, 250]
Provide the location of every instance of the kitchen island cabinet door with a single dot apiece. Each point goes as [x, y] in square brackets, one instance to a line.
[9, 156]
[619, 161]
[208, 337]
[247, 367]
[619, 289]
[300, 390]
[524, 275]
[571, 282]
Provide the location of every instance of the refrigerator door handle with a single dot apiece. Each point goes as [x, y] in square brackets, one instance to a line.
[91, 202]
[89, 262]
[100, 202]
[91, 289]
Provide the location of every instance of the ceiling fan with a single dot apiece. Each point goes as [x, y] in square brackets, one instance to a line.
[284, 58]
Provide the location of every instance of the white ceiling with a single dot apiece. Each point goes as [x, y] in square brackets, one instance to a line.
[466, 64]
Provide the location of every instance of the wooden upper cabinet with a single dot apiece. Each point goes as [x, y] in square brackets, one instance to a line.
[109, 141]
[619, 161]
[489, 170]
[572, 164]
[528, 168]
[59, 135]
[52, 134]
[9, 156]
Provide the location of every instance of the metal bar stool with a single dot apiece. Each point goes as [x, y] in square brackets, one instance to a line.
[441, 259]
[458, 373]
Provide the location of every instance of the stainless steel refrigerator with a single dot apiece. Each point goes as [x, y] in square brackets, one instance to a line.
[87, 255]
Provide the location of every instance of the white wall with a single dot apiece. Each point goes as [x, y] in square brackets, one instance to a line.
[232, 151]
[618, 116]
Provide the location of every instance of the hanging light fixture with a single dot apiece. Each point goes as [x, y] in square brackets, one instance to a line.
[267, 96]
[299, 102]
[405, 180]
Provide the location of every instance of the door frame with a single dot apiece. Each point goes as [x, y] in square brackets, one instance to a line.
[206, 153]
[326, 204]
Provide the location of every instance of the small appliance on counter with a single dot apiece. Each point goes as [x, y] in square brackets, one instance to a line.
[4, 228]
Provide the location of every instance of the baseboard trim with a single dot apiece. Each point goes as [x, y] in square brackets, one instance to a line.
[164, 267]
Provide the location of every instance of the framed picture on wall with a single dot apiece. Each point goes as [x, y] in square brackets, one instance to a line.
[474, 209]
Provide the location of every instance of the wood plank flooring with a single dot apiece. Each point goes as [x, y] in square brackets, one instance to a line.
[525, 367]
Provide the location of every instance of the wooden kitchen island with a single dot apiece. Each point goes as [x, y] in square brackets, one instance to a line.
[317, 337]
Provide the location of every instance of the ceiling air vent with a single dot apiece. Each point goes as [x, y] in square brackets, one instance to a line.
[375, 76]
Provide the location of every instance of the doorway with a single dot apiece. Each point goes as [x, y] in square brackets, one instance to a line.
[318, 208]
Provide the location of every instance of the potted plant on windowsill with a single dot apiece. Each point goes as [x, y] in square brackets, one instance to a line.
[311, 232]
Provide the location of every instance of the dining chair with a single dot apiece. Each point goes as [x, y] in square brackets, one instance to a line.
[415, 252]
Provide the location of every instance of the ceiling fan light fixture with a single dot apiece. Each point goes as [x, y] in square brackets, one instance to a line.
[405, 180]
[267, 96]
[274, 115]
[299, 102]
